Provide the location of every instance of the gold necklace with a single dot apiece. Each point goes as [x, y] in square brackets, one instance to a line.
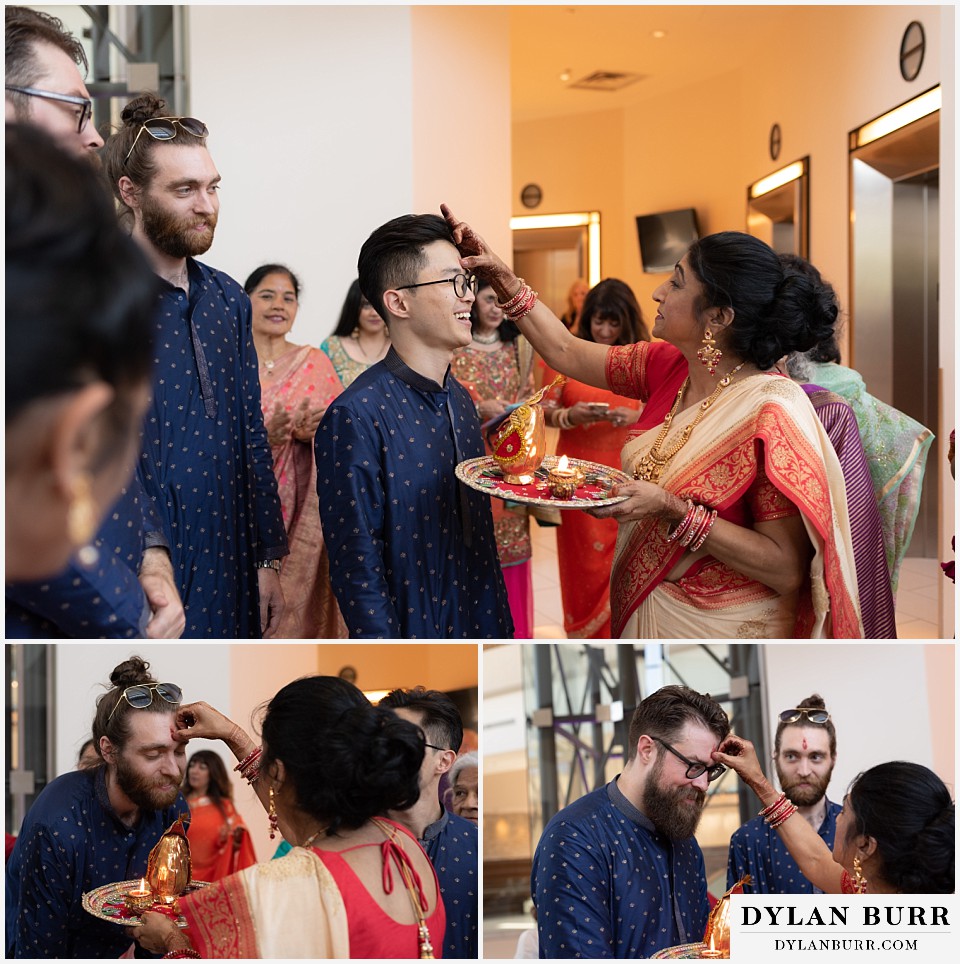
[649, 467]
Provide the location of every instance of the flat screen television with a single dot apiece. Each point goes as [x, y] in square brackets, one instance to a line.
[665, 237]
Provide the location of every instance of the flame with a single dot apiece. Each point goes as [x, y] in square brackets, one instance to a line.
[712, 948]
[563, 465]
[142, 887]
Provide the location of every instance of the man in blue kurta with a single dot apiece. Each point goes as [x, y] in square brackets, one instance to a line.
[451, 843]
[805, 752]
[205, 459]
[94, 827]
[129, 590]
[618, 873]
[412, 549]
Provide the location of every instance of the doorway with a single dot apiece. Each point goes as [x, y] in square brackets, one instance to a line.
[552, 251]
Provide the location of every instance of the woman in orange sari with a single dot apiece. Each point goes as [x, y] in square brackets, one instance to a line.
[593, 424]
[219, 840]
[736, 523]
[297, 383]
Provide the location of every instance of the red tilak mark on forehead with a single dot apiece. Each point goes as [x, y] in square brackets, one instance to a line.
[804, 742]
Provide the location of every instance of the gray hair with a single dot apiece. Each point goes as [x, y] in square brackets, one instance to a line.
[465, 762]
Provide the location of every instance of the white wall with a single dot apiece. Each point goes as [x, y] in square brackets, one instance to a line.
[878, 694]
[83, 674]
[310, 117]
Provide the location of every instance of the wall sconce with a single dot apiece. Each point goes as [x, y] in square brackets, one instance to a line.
[784, 176]
[586, 219]
[922, 105]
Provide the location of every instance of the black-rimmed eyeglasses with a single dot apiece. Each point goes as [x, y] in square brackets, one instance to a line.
[462, 283]
[140, 696]
[695, 768]
[84, 103]
[433, 746]
[165, 129]
[813, 714]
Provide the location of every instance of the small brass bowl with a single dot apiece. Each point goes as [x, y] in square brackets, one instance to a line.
[563, 485]
[139, 901]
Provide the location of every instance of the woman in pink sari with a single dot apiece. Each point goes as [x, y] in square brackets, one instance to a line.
[736, 523]
[297, 383]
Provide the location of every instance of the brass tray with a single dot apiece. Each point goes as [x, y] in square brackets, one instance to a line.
[106, 902]
[681, 952]
[485, 475]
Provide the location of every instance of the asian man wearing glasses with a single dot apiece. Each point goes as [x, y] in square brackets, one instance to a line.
[618, 873]
[412, 549]
[804, 754]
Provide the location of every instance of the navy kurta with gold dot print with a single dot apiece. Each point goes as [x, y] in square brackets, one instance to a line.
[205, 458]
[756, 849]
[412, 549]
[607, 884]
[72, 841]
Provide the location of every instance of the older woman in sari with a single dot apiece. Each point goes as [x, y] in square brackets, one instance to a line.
[297, 383]
[355, 883]
[736, 524]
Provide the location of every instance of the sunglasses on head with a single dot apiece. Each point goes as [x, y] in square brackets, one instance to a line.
[165, 129]
[813, 714]
[140, 695]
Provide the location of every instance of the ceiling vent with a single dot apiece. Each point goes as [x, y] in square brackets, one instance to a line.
[606, 80]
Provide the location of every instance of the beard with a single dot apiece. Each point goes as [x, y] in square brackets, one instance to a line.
[143, 791]
[175, 236]
[814, 790]
[674, 811]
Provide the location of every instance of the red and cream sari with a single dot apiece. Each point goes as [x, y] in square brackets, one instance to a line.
[759, 453]
[285, 908]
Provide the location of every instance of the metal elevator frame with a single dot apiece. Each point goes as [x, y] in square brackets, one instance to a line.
[610, 694]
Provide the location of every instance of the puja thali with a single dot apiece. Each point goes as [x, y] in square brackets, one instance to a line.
[681, 952]
[485, 475]
[107, 903]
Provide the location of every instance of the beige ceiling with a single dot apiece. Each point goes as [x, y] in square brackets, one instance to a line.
[700, 42]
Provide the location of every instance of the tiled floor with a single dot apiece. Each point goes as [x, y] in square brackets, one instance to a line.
[917, 598]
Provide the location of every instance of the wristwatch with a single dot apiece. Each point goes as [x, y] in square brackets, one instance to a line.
[269, 564]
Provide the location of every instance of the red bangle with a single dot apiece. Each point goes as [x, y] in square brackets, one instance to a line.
[515, 300]
[517, 313]
[182, 952]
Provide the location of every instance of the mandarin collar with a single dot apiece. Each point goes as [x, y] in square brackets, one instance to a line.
[397, 366]
[617, 798]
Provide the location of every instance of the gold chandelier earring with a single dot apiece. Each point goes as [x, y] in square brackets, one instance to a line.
[708, 353]
[272, 814]
[82, 520]
[859, 881]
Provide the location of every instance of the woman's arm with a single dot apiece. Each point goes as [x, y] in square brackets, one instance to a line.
[805, 845]
[584, 360]
[202, 721]
[776, 553]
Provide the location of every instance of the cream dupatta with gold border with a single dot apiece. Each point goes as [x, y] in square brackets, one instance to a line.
[716, 467]
[285, 908]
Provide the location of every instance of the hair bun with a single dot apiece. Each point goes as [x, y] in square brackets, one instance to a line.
[143, 108]
[131, 672]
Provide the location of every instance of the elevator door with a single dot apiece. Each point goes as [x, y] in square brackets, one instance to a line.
[915, 324]
[895, 286]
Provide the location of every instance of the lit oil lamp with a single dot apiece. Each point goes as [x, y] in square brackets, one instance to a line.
[141, 898]
[562, 480]
[711, 953]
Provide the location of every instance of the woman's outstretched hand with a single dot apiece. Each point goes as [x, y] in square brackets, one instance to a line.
[476, 256]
